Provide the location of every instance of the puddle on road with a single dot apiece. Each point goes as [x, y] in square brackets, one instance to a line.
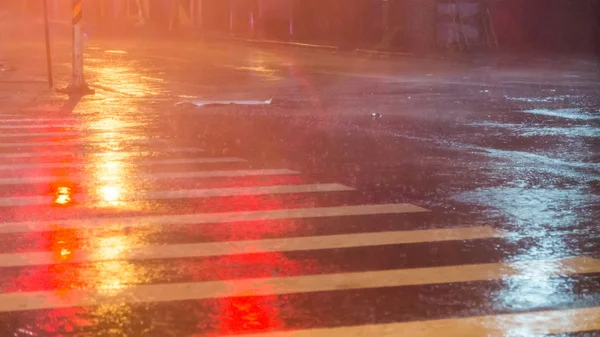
[572, 113]
[549, 216]
[529, 158]
[551, 208]
[549, 99]
[540, 130]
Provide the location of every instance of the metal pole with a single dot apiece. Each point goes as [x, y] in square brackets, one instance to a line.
[231, 9]
[200, 14]
[252, 28]
[193, 13]
[78, 81]
[48, 53]
[291, 4]
[78, 85]
[174, 15]
[260, 19]
[385, 15]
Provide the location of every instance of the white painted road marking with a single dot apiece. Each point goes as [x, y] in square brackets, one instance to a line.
[35, 126]
[134, 163]
[153, 176]
[151, 293]
[261, 246]
[40, 134]
[522, 324]
[19, 120]
[184, 194]
[79, 152]
[208, 218]
[81, 142]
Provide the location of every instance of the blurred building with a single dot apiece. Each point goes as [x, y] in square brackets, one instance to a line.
[556, 25]
[412, 25]
[421, 26]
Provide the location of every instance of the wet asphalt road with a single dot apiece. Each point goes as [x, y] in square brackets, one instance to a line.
[373, 196]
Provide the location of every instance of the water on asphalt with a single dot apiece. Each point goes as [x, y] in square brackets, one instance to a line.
[371, 197]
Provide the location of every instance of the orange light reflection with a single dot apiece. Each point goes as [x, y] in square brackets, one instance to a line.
[63, 196]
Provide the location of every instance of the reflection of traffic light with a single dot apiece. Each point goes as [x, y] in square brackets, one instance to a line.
[63, 196]
[60, 275]
[248, 314]
[63, 243]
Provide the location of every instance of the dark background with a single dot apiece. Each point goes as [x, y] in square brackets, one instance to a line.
[569, 26]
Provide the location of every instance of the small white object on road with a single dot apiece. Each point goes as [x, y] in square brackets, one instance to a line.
[240, 102]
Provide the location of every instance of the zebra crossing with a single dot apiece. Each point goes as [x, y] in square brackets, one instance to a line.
[264, 246]
[547, 322]
[273, 253]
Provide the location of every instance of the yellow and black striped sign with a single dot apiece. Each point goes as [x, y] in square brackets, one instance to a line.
[77, 11]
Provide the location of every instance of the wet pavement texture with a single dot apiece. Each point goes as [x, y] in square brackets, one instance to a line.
[345, 195]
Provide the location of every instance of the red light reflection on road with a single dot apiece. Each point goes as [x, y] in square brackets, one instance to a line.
[61, 277]
[63, 243]
[61, 190]
[246, 313]
[56, 322]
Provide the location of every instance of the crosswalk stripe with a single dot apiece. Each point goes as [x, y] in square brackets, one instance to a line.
[34, 126]
[80, 142]
[127, 154]
[40, 134]
[145, 162]
[21, 301]
[185, 194]
[206, 218]
[18, 120]
[521, 324]
[155, 176]
[261, 246]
